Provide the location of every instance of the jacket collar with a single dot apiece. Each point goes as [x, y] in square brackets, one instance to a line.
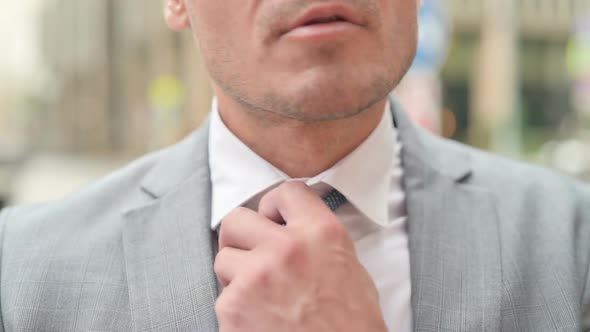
[422, 147]
[178, 163]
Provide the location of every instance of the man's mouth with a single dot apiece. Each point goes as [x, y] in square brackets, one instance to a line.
[324, 20]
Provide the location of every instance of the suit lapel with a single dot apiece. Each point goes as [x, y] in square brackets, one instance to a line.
[453, 237]
[455, 261]
[168, 245]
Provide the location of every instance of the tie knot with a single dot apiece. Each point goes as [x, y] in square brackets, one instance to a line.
[334, 199]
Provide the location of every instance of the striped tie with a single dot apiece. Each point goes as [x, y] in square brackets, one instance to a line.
[334, 199]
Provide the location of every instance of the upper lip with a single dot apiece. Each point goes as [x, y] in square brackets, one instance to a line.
[326, 11]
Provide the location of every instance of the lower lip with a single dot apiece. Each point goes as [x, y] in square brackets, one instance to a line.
[322, 32]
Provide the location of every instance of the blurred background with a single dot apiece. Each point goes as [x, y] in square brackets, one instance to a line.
[88, 85]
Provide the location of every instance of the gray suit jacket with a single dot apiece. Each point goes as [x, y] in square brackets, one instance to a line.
[495, 245]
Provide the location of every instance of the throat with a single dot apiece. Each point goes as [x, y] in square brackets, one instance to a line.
[301, 149]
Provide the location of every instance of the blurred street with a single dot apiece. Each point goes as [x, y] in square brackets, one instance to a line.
[86, 85]
[47, 177]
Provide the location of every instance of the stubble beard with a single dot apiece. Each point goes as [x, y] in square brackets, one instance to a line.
[340, 95]
[317, 101]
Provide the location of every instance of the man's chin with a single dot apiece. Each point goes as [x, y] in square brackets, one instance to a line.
[334, 101]
[329, 109]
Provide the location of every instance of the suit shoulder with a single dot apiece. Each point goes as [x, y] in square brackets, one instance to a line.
[529, 196]
[526, 195]
[501, 174]
[99, 208]
[97, 203]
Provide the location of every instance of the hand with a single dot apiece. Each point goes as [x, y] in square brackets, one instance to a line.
[304, 276]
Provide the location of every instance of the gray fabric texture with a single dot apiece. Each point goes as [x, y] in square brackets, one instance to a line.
[495, 245]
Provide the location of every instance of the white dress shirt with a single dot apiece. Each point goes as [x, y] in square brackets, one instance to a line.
[370, 178]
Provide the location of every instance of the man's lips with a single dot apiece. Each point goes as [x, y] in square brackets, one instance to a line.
[326, 14]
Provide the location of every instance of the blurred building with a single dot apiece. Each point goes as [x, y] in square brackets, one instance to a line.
[106, 60]
[109, 59]
[116, 82]
[506, 79]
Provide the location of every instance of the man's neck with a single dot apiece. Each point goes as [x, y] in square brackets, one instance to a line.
[299, 149]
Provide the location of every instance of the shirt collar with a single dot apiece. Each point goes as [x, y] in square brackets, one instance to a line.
[237, 172]
[363, 176]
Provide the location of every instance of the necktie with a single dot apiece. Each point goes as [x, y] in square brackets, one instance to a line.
[334, 199]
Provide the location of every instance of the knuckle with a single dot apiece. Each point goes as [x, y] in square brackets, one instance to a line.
[234, 214]
[259, 277]
[217, 266]
[280, 237]
[292, 250]
[228, 311]
[229, 224]
[293, 186]
[218, 263]
[332, 231]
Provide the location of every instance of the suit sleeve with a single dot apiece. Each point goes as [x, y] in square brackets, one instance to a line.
[584, 250]
[3, 220]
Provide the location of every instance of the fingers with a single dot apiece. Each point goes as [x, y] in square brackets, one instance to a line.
[228, 262]
[245, 229]
[296, 204]
[242, 231]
